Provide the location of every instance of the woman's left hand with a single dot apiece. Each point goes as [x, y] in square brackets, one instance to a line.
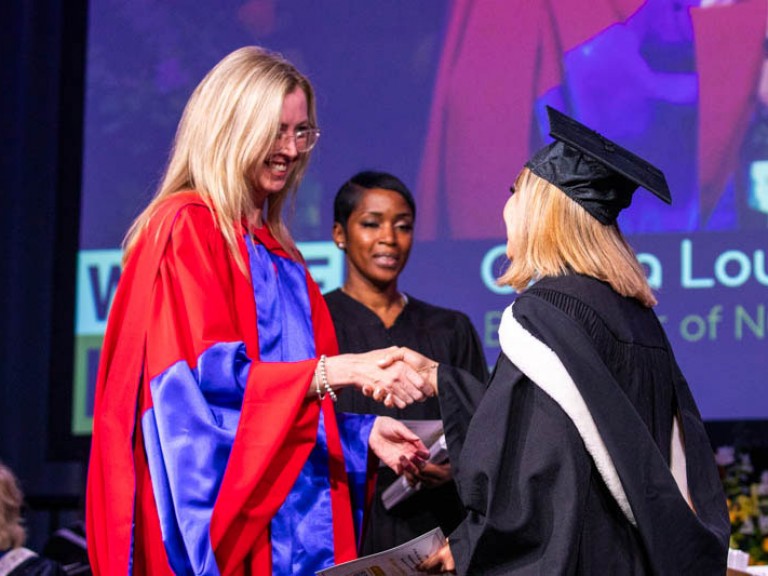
[396, 445]
[441, 562]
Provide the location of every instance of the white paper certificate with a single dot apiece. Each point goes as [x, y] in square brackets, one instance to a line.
[399, 561]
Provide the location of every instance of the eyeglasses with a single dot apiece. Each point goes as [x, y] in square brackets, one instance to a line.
[304, 139]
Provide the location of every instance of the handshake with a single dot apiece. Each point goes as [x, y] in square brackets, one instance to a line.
[395, 376]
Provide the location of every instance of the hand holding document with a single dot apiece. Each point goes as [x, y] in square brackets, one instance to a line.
[400, 489]
[431, 433]
[399, 561]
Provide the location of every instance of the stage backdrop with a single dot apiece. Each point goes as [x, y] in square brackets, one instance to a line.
[450, 97]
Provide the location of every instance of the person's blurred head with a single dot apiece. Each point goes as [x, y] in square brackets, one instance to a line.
[550, 234]
[374, 214]
[12, 533]
[236, 142]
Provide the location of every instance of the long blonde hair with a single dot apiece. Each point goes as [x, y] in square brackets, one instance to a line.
[227, 130]
[12, 533]
[555, 236]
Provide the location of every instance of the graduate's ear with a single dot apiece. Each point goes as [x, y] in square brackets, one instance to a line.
[339, 236]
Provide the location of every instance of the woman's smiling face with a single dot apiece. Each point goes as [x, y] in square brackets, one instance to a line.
[272, 176]
[378, 237]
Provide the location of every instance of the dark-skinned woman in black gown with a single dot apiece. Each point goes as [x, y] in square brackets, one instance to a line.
[374, 216]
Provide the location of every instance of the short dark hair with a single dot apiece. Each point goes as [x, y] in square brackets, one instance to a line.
[348, 196]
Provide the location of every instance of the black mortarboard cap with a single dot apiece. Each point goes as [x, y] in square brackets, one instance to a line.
[597, 173]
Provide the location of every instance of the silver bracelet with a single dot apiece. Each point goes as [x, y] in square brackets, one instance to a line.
[324, 378]
[318, 388]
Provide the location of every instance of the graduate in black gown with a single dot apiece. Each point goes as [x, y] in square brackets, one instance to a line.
[374, 215]
[586, 453]
[15, 559]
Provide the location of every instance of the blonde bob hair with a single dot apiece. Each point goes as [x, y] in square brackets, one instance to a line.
[12, 533]
[226, 132]
[554, 236]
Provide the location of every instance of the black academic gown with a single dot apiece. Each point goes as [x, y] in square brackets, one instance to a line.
[564, 462]
[23, 562]
[444, 335]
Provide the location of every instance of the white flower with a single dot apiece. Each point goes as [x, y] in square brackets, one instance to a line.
[725, 455]
[748, 526]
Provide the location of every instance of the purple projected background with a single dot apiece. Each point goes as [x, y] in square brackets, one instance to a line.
[449, 96]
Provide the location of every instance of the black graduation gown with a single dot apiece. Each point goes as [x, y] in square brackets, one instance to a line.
[35, 565]
[544, 494]
[444, 335]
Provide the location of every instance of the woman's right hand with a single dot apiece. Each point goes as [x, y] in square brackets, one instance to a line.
[379, 375]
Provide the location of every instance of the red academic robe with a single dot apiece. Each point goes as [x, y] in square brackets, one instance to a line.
[180, 293]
